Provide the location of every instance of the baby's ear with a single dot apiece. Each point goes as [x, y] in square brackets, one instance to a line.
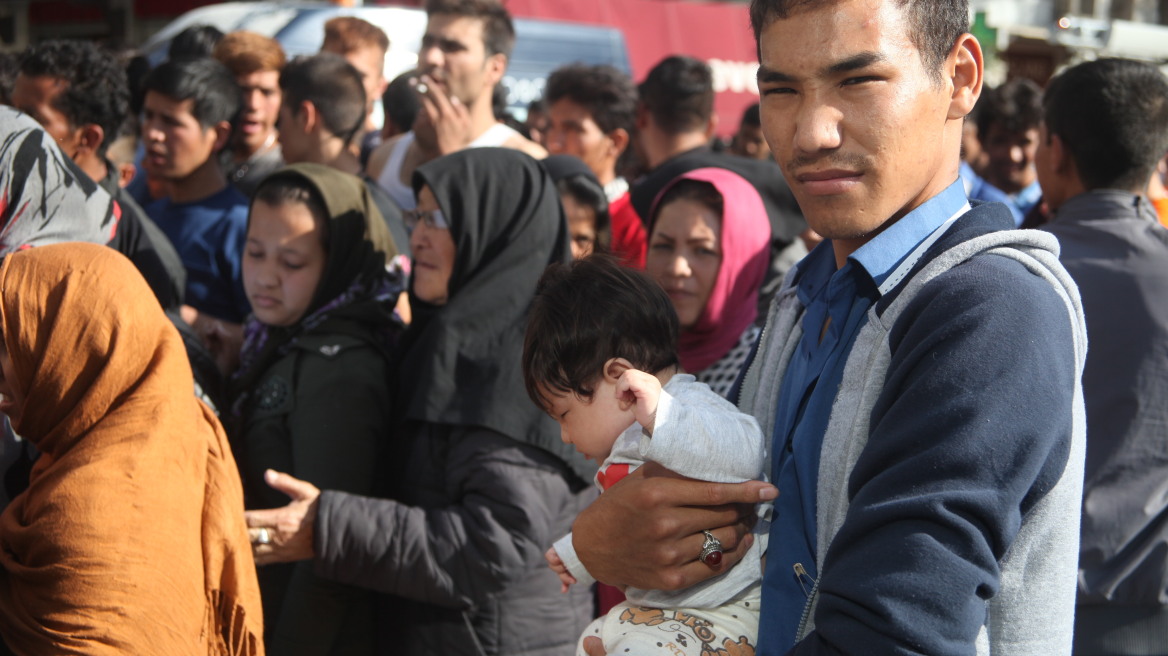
[615, 368]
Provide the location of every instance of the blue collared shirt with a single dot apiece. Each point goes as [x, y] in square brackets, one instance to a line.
[808, 392]
[1026, 199]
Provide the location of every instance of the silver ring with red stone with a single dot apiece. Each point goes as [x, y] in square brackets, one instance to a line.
[711, 550]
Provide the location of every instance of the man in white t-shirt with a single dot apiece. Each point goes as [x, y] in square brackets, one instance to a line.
[464, 55]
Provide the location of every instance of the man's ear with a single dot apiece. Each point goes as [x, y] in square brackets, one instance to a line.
[222, 135]
[642, 117]
[1060, 157]
[90, 137]
[711, 126]
[496, 67]
[964, 69]
[126, 173]
[307, 117]
[615, 368]
[618, 141]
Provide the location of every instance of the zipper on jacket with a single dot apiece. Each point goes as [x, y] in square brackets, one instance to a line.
[758, 347]
[803, 577]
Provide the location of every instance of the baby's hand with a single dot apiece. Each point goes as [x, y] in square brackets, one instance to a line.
[640, 391]
[558, 566]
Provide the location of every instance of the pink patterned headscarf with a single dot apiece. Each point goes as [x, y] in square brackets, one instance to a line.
[745, 242]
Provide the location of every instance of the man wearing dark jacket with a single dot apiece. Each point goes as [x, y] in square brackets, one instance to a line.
[79, 93]
[1106, 127]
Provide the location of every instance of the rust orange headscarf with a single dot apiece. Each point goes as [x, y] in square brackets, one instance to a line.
[130, 537]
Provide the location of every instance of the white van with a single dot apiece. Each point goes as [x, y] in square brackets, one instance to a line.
[541, 46]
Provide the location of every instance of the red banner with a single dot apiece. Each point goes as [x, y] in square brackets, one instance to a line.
[716, 33]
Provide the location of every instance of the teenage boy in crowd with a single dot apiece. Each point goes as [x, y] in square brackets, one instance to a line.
[464, 55]
[255, 61]
[1104, 131]
[187, 116]
[363, 45]
[79, 93]
[749, 141]
[322, 112]
[590, 114]
[1007, 127]
[918, 374]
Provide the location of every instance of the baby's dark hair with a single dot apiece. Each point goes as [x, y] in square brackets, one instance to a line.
[586, 312]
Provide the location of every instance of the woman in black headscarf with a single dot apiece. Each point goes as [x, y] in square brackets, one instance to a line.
[312, 395]
[480, 481]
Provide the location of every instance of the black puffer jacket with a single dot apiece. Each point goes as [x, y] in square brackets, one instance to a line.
[461, 555]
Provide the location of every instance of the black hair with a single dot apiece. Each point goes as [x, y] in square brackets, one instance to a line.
[587, 312]
[400, 102]
[587, 192]
[498, 30]
[277, 190]
[194, 42]
[679, 94]
[698, 191]
[205, 81]
[9, 67]
[1112, 115]
[96, 90]
[935, 24]
[331, 84]
[607, 93]
[751, 117]
[1016, 106]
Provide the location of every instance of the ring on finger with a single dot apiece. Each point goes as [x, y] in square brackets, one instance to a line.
[264, 537]
[711, 553]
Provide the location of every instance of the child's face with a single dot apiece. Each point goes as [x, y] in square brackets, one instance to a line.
[282, 261]
[591, 425]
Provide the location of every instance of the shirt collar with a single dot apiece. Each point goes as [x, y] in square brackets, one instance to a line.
[880, 256]
[1028, 196]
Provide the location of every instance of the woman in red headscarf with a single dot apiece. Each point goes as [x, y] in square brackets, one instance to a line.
[709, 243]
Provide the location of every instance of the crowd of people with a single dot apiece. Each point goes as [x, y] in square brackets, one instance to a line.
[884, 374]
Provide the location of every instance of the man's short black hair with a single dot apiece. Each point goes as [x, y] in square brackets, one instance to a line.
[679, 93]
[1015, 107]
[9, 67]
[333, 85]
[936, 24]
[401, 102]
[1112, 115]
[96, 91]
[605, 92]
[498, 30]
[195, 42]
[752, 117]
[205, 81]
[587, 312]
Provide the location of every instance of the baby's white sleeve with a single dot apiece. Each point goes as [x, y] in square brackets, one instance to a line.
[567, 553]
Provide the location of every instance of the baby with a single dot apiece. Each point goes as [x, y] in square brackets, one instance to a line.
[601, 358]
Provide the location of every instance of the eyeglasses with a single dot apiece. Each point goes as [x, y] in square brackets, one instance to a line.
[434, 219]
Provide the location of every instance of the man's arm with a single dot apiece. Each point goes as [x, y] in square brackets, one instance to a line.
[660, 517]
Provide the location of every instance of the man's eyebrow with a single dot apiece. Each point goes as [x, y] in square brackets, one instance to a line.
[772, 76]
[853, 63]
[856, 62]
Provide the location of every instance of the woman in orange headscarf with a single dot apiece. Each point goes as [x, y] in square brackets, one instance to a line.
[130, 537]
